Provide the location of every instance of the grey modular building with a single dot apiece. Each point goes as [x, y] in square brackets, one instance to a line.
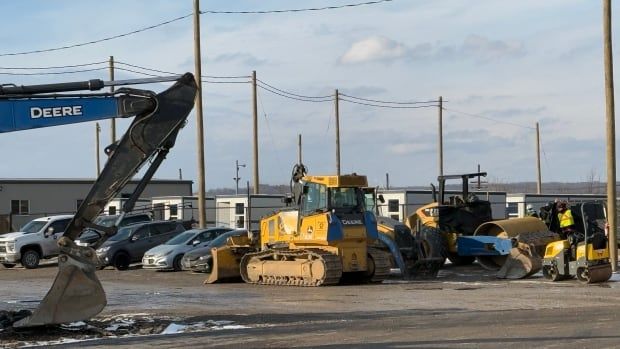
[22, 200]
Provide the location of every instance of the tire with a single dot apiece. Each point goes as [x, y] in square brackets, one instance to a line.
[552, 273]
[433, 243]
[176, 263]
[8, 265]
[30, 259]
[121, 261]
[455, 259]
[583, 275]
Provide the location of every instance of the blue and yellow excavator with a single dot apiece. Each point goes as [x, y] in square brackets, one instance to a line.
[76, 293]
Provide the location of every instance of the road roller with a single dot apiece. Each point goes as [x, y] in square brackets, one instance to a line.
[584, 253]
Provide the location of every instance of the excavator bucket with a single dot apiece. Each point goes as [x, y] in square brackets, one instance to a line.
[76, 293]
[522, 262]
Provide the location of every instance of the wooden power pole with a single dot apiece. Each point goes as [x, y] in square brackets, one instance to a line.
[299, 148]
[611, 133]
[440, 146]
[202, 217]
[539, 176]
[255, 131]
[336, 101]
[113, 120]
[97, 160]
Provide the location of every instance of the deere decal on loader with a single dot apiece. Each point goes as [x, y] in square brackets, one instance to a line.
[328, 236]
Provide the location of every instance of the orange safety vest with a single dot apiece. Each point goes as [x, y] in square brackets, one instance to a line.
[566, 219]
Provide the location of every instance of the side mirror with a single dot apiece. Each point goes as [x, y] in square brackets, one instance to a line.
[195, 242]
[134, 238]
[381, 199]
[49, 232]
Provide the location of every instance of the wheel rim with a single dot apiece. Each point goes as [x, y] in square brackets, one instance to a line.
[30, 258]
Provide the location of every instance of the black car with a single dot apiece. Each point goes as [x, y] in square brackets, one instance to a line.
[131, 242]
[89, 236]
[200, 259]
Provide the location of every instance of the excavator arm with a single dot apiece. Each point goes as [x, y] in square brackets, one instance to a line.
[76, 293]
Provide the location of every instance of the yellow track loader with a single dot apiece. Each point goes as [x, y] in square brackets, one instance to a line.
[326, 238]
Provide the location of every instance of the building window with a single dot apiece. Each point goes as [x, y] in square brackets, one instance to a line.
[20, 207]
[78, 203]
[174, 211]
[240, 222]
[239, 208]
[393, 205]
[112, 210]
[158, 211]
[512, 209]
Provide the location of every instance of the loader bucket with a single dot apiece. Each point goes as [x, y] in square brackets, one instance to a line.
[76, 293]
[225, 265]
[521, 263]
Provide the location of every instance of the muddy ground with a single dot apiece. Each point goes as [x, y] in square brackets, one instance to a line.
[465, 307]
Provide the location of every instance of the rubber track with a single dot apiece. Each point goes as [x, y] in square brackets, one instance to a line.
[332, 263]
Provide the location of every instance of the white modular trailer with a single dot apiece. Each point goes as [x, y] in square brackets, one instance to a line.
[235, 211]
[115, 206]
[516, 204]
[183, 208]
[400, 204]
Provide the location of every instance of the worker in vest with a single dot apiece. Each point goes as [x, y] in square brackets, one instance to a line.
[567, 226]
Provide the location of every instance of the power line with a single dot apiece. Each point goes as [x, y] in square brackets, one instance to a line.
[55, 67]
[54, 73]
[298, 9]
[183, 17]
[292, 97]
[293, 94]
[97, 41]
[388, 102]
[488, 118]
[389, 106]
[204, 81]
[172, 73]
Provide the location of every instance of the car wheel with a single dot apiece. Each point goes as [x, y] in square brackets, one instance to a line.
[30, 259]
[176, 263]
[8, 265]
[121, 261]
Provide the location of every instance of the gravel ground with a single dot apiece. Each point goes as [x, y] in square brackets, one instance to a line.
[465, 307]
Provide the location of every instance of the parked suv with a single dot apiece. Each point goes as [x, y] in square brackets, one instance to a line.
[130, 242]
[35, 240]
[89, 236]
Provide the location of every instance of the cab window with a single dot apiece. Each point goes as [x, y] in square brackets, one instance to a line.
[60, 225]
[315, 198]
[141, 233]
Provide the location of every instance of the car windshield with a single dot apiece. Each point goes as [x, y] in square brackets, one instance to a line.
[122, 234]
[181, 239]
[221, 240]
[33, 226]
[106, 221]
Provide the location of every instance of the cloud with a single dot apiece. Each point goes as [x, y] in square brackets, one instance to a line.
[474, 47]
[374, 48]
[240, 57]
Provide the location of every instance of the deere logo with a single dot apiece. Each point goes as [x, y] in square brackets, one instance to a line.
[54, 112]
[352, 222]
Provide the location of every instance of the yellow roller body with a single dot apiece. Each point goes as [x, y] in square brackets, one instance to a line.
[530, 235]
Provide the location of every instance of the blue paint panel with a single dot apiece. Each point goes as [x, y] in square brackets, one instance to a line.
[335, 229]
[371, 225]
[16, 115]
[483, 245]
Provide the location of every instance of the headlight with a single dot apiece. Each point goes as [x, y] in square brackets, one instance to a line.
[10, 246]
[204, 258]
[103, 249]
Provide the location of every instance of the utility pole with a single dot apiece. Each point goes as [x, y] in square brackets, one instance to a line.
[255, 129]
[237, 178]
[97, 131]
[113, 120]
[440, 136]
[539, 177]
[387, 181]
[202, 217]
[336, 100]
[611, 134]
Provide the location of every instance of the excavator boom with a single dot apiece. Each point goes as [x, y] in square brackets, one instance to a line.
[76, 293]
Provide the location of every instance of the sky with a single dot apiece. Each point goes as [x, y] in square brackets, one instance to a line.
[499, 66]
